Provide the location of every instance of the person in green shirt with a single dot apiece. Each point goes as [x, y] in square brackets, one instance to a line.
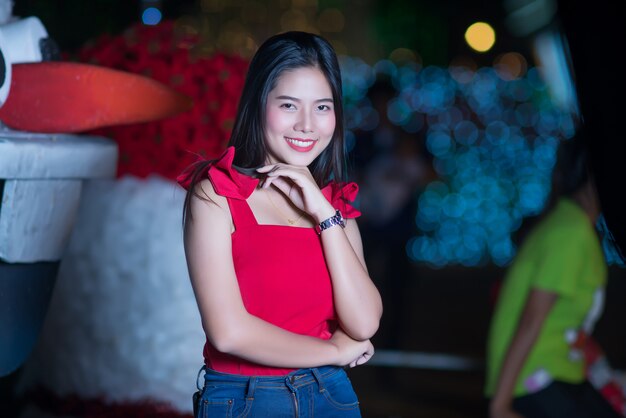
[550, 300]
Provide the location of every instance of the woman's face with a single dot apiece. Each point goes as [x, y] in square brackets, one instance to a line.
[299, 117]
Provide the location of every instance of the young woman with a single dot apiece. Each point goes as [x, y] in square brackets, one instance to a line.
[273, 250]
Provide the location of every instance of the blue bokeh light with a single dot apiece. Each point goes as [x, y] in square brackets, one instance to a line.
[493, 145]
[151, 16]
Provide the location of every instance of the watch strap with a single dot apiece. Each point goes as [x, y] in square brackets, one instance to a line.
[336, 219]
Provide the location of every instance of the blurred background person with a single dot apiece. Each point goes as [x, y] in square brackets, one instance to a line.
[550, 300]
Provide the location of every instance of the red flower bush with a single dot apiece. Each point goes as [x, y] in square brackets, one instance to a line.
[167, 146]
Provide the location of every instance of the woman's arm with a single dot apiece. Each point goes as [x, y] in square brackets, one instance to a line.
[357, 301]
[229, 327]
[536, 309]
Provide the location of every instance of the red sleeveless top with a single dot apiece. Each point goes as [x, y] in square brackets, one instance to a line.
[281, 270]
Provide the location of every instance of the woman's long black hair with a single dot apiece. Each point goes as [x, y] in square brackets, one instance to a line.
[283, 52]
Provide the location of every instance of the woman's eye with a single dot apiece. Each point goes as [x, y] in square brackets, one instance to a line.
[323, 107]
[287, 106]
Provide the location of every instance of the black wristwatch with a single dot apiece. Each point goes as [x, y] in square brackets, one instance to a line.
[336, 219]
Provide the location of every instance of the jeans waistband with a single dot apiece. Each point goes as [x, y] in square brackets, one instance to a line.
[293, 380]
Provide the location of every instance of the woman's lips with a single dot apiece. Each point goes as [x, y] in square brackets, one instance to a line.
[301, 145]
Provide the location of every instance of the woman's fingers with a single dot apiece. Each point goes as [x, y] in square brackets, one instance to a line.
[363, 359]
[266, 168]
[366, 356]
[283, 185]
[297, 174]
[285, 177]
[298, 185]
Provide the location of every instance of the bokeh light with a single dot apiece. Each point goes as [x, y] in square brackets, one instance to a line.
[480, 36]
[493, 142]
[151, 16]
[510, 65]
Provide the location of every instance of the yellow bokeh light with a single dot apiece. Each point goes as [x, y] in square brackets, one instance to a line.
[480, 36]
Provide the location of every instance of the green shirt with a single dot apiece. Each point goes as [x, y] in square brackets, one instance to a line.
[561, 255]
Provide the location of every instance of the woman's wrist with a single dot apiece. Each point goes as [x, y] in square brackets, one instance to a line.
[335, 220]
[324, 213]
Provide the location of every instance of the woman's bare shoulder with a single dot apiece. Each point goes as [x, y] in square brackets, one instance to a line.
[204, 191]
[206, 201]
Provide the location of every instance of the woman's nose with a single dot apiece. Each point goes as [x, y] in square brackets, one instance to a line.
[304, 123]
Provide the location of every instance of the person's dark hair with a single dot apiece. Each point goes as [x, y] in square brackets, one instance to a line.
[572, 169]
[283, 52]
[570, 173]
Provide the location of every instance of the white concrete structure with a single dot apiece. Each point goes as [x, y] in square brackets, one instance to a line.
[43, 177]
[41, 183]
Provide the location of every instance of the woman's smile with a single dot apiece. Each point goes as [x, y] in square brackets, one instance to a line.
[301, 144]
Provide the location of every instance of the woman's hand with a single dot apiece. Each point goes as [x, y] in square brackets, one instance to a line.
[351, 352]
[357, 301]
[298, 185]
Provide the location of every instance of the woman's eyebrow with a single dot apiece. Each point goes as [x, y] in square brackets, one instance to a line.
[326, 99]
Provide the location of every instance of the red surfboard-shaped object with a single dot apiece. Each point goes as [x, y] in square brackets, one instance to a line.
[53, 97]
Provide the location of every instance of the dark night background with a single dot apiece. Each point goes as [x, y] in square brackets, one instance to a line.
[443, 310]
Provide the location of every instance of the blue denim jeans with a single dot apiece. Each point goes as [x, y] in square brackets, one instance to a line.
[305, 393]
